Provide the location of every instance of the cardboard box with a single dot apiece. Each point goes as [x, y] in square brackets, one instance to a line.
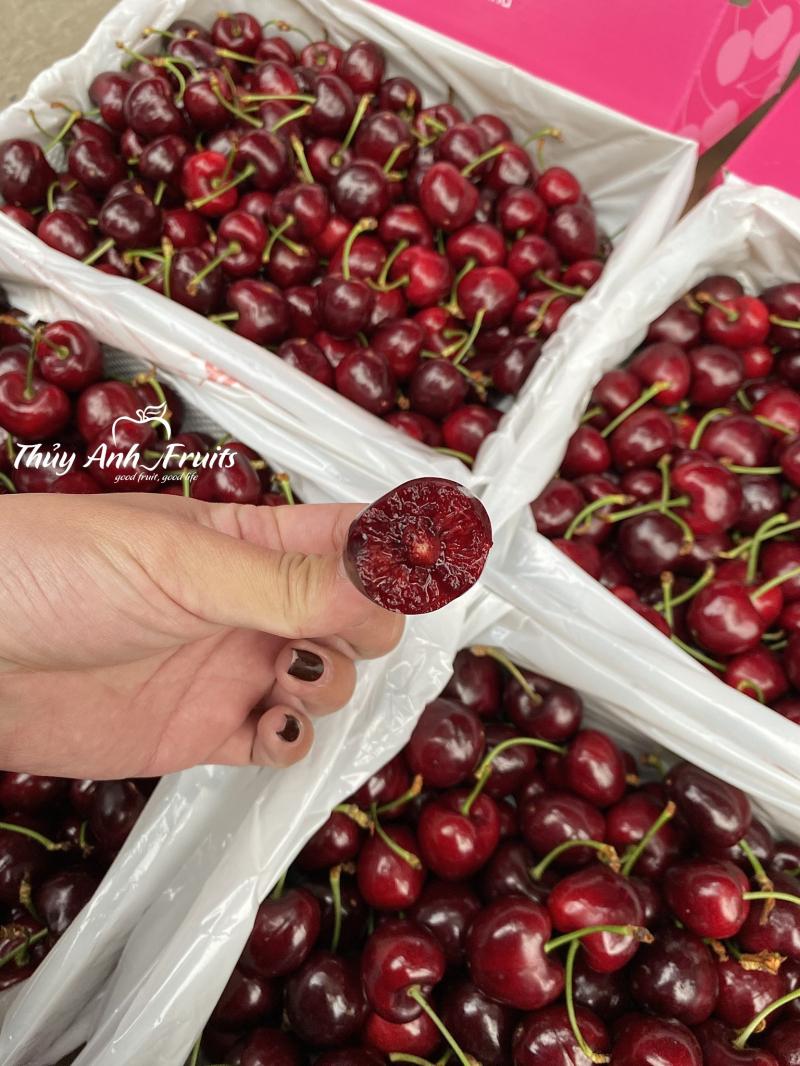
[769, 155]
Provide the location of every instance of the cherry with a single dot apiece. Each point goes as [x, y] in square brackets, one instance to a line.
[386, 785]
[285, 931]
[350, 926]
[655, 1041]
[606, 994]
[594, 768]
[642, 439]
[131, 220]
[30, 792]
[547, 1038]
[663, 363]
[245, 1001]
[239, 32]
[447, 198]
[513, 365]
[25, 174]
[781, 930]
[95, 166]
[784, 1042]
[481, 1027]
[716, 375]
[349, 1057]
[744, 993]
[716, 1041]
[556, 507]
[417, 1037]
[778, 557]
[114, 809]
[447, 909]
[336, 841]
[398, 957]
[60, 898]
[488, 295]
[714, 492]
[387, 879]
[67, 233]
[507, 958]
[419, 546]
[23, 860]
[587, 453]
[456, 836]
[446, 745]
[715, 811]
[783, 302]
[467, 428]
[508, 873]
[476, 682]
[556, 817]
[150, 110]
[555, 717]
[365, 377]
[628, 821]
[69, 356]
[305, 356]
[107, 92]
[269, 1047]
[325, 1003]
[262, 312]
[757, 673]
[32, 409]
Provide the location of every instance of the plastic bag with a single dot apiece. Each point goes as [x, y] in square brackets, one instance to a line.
[638, 178]
[754, 234]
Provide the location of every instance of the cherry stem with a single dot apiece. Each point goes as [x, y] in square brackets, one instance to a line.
[633, 856]
[72, 118]
[695, 653]
[702, 425]
[276, 235]
[383, 277]
[337, 158]
[233, 109]
[225, 316]
[484, 771]
[484, 157]
[335, 878]
[784, 897]
[195, 1056]
[362, 226]
[388, 166]
[468, 459]
[705, 579]
[569, 969]
[239, 57]
[667, 581]
[304, 98]
[234, 248]
[706, 298]
[99, 251]
[248, 172]
[452, 305]
[292, 116]
[646, 508]
[407, 856]
[481, 650]
[415, 992]
[536, 323]
[787, 323]
[607, 854]
[646, 396]
[755, 544]
[744, 400]
[401, 1056]
[277, 891]
[28, 392]
[7, 483]
[167, 250]
[638, 932]
[593, 412]
[471, 337]
[23, 830]
[302, 162]
[735, 469]
[361, 818]
[777, 426]
[590, 508]
[745, 1034]
[286, 27]
[18, 952]
[759, 872]
[774, 582]
[411, 793]
[565, 290]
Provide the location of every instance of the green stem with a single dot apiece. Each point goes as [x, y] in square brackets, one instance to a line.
[641, 934]
[285, 486]
[23, 830]
[635, 853]
[471, 336]
[304, 98]
[593, 412]
[705, 579]
[238, 57]
[407, 856]
[557, 286]
[302, 162]
[401, 1056]
[784, 897]
[292, 116]
[646, 508]
[667, 581]
[743, 399]
[590, 508]
[411, 793]
[788, 323]
[248, 172]
[335, 878]
[452, 305]
[397, 151]
[72, 118]
[608, 855]
[275, 236]
[233, 109]
[759, 872]
[758, 537]
[485, 769]
[225, 316]
[706, 298]
[745, 1034]
[415, 992]
[646, 396]
[484, 157]
[774, 582]
[734, 469]
[702, 425]
[195, 1056]
[99, 251]
[536, 323]
[234, 248]
[468, 459]
[30, 941]
[7, 483]
[777, 426]
[277, 891]
[481, 650]
[695, 653]
[569, 969]
[383, 277]
[362, 226]
[337, 158]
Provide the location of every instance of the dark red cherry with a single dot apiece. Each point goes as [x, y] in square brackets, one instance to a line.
[629, 820]
[115, 807]
[284, 933]
[61, 897]
[598, 896]
[714, 810]
[446, 745]
[716, 375]
[398, 956]
[386, 879]
[454, 844]
[555, 817]
[447, 910]
[476, 682]
[245, 1001]
[25, 174]
[325, 1003]
[645, 1041]
[481, 1027]
[546, 1037]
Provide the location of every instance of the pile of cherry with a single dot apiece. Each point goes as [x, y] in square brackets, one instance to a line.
[679, 490]
[409, 257]
[507, 892]
[53, 391]
[57, 839]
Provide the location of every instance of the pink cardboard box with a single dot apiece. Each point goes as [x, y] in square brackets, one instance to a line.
[769, 155]
[692, 67]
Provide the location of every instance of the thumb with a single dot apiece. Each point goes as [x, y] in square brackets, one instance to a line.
[236, 583]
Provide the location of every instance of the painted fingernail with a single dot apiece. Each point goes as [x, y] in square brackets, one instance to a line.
[306, 665]
[291, 729]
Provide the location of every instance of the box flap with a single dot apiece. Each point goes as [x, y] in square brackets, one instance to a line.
[693, 67]
[769, 155]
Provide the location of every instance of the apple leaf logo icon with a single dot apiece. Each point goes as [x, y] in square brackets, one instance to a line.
[144, 416]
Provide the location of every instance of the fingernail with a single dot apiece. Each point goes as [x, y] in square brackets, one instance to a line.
[291, 729]
[306, 665]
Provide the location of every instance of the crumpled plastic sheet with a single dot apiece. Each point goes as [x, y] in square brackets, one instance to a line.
[638, 178]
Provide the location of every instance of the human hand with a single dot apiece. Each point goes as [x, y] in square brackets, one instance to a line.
[142, 634]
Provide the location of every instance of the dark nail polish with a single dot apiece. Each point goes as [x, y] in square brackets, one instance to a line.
[306, 665]
[291, 729]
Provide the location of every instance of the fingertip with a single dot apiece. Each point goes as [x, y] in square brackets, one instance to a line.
[284, 736]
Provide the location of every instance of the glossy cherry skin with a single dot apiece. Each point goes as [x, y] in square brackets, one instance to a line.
[716, 1040]
[350, 1057]
[338, 840]
[32, 412]
[22, 859]
[284, 933]
[447, 909]
[507, 961]
[594, 768]
[714, 810]
[716, 375]
[738, 437]
[508, 873]
[656, 1042]
[385, 785]
[325, 1002]
[676, 977]
[446, 745]
[245, 1001]
[399, 955]
[598, 896]
[437, 388]
[781, 931]
[545, 1038]
[83, 363]
[25, 174]
[784, 1042]
[605, 994]
[556, 817]
[481, 1027]
[62, 896]
[417, 1037]
[269, 1047]
[353, 912]
[629, 820]
[30, 792]
[365, 377]
[560, 501]
[115, 807]
[107, 92]
[476, 682]
[642, 439]
[386, 880]
[715, 494]
[448, 199]
[745, 993]
[466, 429]
[455, 845]
[263, 314]
[706, 896]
